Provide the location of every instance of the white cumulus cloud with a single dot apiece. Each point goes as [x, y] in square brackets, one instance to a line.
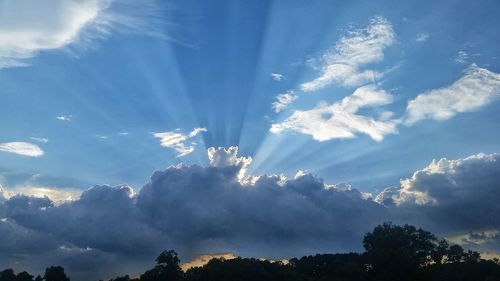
[283, 100]
[65, 118]
[344, 64]
[477, 88]
[28, 27]
[22, 148]
[176, 140]
[340, 119]
[277, 76]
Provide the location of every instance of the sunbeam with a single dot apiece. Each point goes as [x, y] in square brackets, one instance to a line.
[267, 129]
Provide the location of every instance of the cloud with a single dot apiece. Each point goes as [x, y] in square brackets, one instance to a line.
[422, 37]
[344, 64]
[475, 238]
[29, 27]
[197, 210]
[102, 137]
[277, 76]
[446, 180]
[55, 194]
[227, 157]
[340, 119]
[283, 100]
[462, 58]
[453, 196]
[176, 140]
[42, 140]
[22, 148]
[477, 88]
[201, 260]
[65, 118]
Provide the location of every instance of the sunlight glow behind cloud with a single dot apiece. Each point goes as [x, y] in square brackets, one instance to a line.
[200, 209]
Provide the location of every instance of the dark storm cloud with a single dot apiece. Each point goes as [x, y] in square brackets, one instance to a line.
[203, 205]
[453, 195]
[198, 209]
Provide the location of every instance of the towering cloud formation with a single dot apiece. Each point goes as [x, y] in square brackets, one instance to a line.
[218, 208]
[460, 194]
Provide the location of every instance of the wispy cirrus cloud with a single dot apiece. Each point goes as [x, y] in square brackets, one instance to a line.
[29, 27]
[283, 100]
[344, 64]
[102, 137]
[176, 140]
[422, 37]
[38, 139]
[475, 89]
[277, 76]
[22, 148]
[65, 118]
[341, 119]
[462, 57]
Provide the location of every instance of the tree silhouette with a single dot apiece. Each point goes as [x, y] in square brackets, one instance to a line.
[55, 273]
[393, 253]
[7, 275]
[455, 254]
[24, 276]
[122, 278]
[397, 252]
[439, 252]
[167, 268]
[243, 270]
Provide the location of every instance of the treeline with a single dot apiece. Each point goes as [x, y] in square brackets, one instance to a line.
[393, 253]
[53, 273]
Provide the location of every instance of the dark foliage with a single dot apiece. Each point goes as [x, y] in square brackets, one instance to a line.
[243, 270]
[55, 273]
[393, 253]
[167, 268]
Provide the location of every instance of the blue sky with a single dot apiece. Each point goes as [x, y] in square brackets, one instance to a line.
[209, 65]
[357, 92]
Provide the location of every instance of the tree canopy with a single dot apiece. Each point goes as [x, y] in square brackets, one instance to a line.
[393, 253]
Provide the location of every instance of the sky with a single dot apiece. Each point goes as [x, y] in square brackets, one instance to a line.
[260, 128]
